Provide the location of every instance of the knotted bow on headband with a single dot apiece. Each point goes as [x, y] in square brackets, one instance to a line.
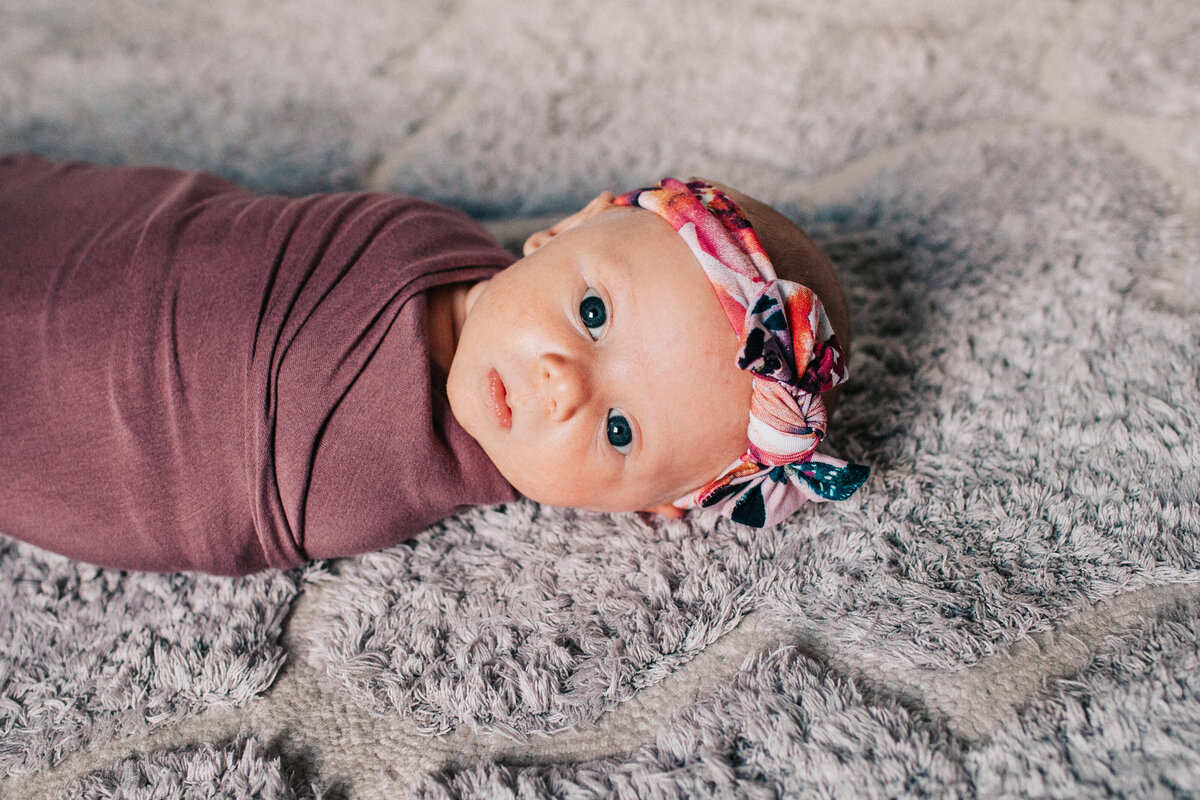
[785, 341]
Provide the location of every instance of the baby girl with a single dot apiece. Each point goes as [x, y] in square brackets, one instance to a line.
[194, 377]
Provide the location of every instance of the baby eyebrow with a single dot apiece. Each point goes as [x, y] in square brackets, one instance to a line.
[617, 284]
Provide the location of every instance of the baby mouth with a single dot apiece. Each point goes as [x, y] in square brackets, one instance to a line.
[497, 397]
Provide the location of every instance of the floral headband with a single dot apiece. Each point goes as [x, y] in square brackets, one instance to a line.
[785, 341]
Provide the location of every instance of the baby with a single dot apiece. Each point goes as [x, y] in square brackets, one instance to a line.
[198, 378]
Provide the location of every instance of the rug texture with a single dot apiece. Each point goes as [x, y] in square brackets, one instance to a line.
[87, 654]
[200, 773]
[1010, 606]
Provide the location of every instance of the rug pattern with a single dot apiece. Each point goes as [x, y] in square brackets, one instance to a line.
[87, 654]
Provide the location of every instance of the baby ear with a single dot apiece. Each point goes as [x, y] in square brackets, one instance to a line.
[599, 204]
[667, 510]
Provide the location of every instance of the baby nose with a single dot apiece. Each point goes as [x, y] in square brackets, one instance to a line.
[564, 385]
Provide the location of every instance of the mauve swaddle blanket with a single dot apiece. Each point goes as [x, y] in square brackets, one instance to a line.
[196, 377]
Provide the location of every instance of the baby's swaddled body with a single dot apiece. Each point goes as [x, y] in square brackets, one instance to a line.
[194, 377]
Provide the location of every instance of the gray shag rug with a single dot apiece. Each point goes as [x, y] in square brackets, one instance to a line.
[1008, 608]
[87, 654]
[200, 773]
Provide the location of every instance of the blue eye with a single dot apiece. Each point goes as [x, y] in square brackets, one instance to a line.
[593, 313]
[619, 432]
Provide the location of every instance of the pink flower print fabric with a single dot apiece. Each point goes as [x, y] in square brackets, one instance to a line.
[785, 340]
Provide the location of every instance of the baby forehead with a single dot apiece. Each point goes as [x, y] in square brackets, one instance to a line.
[668, 348]
[691, 409]
[666, 298]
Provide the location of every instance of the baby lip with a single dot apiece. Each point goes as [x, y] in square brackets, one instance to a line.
[497, 397]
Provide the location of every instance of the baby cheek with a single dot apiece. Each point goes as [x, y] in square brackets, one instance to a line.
[549, 474]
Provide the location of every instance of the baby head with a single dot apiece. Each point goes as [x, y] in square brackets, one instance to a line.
[616, 366]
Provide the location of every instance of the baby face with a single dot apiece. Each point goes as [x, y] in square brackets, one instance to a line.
[599, 371]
